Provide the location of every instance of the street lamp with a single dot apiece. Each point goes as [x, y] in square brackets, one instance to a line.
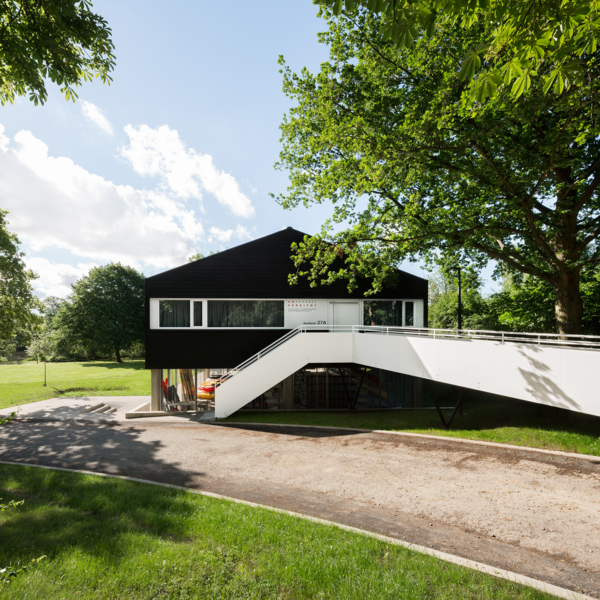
[457, 269]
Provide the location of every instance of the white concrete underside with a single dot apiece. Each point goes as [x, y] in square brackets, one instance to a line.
[551, 375]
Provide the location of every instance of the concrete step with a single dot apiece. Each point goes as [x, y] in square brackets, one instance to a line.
[92, 408]
[102, 409]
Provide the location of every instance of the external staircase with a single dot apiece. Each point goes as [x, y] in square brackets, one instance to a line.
[551, 369]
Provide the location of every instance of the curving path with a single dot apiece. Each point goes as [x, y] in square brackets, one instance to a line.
[532, 513]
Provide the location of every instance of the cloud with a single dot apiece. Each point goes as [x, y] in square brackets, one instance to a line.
[56, 279]
[224, 235]
[220, 234]
[92, 113]
[185, 172]
[55, 203]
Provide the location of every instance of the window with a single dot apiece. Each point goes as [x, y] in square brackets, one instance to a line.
[245, 313]
[174, 313]
[409, 317]
[385, 313]
[197, 314]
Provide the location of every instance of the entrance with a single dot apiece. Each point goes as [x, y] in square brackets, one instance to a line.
[346, 313]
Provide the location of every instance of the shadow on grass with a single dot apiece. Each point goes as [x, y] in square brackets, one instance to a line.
[94, 515]
[134, 365]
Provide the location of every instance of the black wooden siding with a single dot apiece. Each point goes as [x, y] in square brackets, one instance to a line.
[258, 269]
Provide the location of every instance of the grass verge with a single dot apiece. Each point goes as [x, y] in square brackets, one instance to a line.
[106, 538]
[486, 417]
[24, 383]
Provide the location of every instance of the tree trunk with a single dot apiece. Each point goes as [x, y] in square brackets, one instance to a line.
[118, 354]
[568, 306]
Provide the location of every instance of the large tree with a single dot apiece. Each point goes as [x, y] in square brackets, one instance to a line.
[18, 303]
[414, 170]
[58, 40]
[105, 310]
[520, 39]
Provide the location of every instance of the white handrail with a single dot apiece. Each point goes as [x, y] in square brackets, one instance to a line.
[588, 342]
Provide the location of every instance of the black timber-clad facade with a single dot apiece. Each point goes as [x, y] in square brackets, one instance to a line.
[256, 270]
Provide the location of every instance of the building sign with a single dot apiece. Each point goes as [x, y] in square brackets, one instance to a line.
[305, 312]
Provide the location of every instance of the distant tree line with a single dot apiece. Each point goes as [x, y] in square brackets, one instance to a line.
[523, 303]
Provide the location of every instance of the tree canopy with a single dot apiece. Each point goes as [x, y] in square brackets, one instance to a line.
[412, 170]
[105, 310]
[60, 40]
[18, 303]
[517, 41]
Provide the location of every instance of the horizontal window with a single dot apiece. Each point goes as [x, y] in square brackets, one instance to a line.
[384, 313]
[245, 313]
[174, 313]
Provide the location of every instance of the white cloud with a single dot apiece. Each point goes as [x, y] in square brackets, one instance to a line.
[92, 113]
[55, 203]
[220, 234]
[185, 172]
[56, 279]
[225, 235]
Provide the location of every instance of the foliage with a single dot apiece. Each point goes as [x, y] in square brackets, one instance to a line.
[520, 40]
[527, 304]
[106, 310]
[195, 257]
[44, 345]
[475, 311]
[59, 40]
[7, 419]
[412, 170]
[7, 347]
[17, 300]
[52, 305]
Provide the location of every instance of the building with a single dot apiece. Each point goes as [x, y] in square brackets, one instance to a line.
[206, 317]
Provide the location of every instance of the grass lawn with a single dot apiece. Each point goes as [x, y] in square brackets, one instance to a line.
[24, 383]
[487, 417]
[106, 538]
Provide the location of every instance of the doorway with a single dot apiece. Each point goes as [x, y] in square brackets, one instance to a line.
[346, 313]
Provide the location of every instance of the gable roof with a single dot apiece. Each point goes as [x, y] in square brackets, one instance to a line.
[260, 269]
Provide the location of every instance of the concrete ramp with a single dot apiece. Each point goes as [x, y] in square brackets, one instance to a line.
[562, 371]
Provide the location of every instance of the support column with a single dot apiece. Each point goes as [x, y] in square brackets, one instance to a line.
[155, 389]
[287, 389]
[417, 392]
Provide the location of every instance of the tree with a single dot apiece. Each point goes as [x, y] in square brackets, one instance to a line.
[414, 171]
[195, 257]
[527, 304]
[105, 310]
[60, 40]
[44, 346]
[17, 300]
[517, 41]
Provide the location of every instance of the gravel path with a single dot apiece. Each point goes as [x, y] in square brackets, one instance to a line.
[528, 512]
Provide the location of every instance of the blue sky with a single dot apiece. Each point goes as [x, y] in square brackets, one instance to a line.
[176, 156]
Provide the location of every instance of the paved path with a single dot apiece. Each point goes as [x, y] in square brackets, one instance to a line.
[527, 512]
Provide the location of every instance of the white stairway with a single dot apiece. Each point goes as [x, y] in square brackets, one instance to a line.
[546, 369]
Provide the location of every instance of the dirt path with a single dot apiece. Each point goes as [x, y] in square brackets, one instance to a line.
[528, 512]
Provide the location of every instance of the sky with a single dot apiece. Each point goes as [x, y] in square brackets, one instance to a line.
[175, 156]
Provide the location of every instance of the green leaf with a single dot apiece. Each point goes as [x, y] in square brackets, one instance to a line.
[548, 81]
[522, 84]
[469, 66]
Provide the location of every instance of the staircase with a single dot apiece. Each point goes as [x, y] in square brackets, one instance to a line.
[547, 369]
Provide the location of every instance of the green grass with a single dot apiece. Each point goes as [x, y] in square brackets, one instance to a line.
[24, 383]
[487, 417]
[107, 538]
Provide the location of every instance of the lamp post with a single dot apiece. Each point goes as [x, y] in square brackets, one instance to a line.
[459, 301]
